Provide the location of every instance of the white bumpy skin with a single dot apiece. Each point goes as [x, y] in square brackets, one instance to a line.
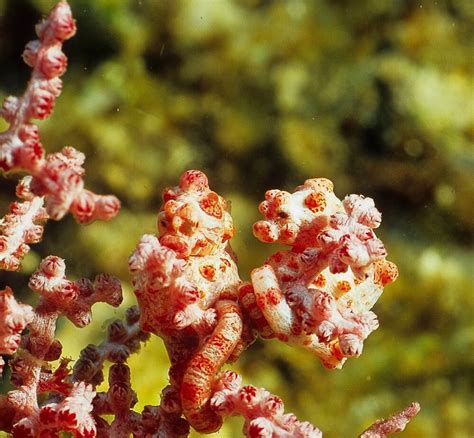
[319, 293]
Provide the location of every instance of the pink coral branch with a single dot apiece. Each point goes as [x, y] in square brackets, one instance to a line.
[73, 299]
[72, 414]
[263, 412]
[14, 317]
[30, 370]
[396, 423]
[57, 176]
[20, 145]
[160, 421]
[23, 225]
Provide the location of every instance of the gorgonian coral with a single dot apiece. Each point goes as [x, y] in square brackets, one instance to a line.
[317, 294]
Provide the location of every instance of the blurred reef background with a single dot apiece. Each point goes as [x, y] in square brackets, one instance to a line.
[375, 95]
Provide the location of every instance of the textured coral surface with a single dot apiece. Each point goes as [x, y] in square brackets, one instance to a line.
[263, 94]
[316, 295]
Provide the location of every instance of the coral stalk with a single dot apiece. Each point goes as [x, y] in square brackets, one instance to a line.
[58, 176]
[396, 423]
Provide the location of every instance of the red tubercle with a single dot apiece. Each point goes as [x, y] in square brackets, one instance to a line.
[194, 180]
[264, 208]
[67, 417]
[316, 202]
[258, 430]
[320, 281]
[22, 431]
[274, 404]
[228, 294]
[247, 394]
[30, 157]
[48, 415]
[211, 205]
[228, 234]
[168, 194]
[282, 337]
[276, 258]
[29, 132]
[293, 263]
[343, 286]
[245, 289]
[170, 208]
[86, 433]
[175, 243]
[53, 266]
[3, 243]
[296, 328]
[9, 109]
[58, 26]
[200, 244]
[41, 104]
[386, 272]
[69, 291]
[208, 272]
[30, 53]
[263, 231]
[288, 232]
[261, 301]
[53, 62]
[336, 350]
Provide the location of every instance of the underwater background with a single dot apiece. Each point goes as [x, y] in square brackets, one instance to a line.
[376, 95]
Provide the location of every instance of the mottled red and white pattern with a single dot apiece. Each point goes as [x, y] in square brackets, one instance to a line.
[57, 177]
[186, 280]
[263, 413]
[319, 293]
[316, 294]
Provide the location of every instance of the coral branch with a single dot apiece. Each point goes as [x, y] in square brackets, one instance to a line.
[396, 423]
[263, 412]
[317, 294]
[22, 226]
[164, 420]
[118, 400]
[58, 176]
[30, 369]
[70, 415]
[20, 145]
[14, 317]
[122, 340]
[73, 299]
